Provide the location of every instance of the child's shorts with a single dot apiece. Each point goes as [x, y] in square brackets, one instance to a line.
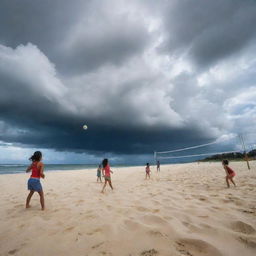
[231, 175]
[34, 184]
[107, 178]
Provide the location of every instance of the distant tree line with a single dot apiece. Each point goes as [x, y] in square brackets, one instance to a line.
[231, 156]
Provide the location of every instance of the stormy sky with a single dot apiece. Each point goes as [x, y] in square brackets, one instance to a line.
[142, 75]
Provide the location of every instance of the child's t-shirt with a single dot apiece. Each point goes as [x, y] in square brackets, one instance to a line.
[230, 171]
[107, 171]
[35, 171]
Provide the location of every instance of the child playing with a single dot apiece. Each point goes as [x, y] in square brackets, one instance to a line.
[99, 174]
[106, 174]
[158, 166]
[147, 171]
[34, 184]
[230, 173]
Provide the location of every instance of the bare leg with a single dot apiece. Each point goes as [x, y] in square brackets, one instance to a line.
[231, 179]
[41, 194]
[227, 181]
[29, 197]
[102, 191]
[110, 184]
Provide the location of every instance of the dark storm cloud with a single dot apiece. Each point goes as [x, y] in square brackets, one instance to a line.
[209, 31]
[37, 114]
[92, 51]
[68, 63]
[36, 119]
[77, 36]
[97, 139]
[43, 23]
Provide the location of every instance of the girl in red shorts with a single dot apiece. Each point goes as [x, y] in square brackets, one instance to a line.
[230, 173]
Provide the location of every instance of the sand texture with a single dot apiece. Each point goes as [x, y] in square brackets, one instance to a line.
[185, 209]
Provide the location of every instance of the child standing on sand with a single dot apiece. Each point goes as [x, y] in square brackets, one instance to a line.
[229, 172]
[99, 174]
[147, 171]
[34, 185]
[158, 166]
[106, 174]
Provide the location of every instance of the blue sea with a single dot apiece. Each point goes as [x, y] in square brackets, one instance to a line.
[21, 168]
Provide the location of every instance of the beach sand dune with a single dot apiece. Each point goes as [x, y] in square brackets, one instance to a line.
[185, 209]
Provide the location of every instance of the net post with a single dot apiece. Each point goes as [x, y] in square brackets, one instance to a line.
[246, 156]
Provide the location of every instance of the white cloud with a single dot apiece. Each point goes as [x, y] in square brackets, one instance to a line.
[31, 68]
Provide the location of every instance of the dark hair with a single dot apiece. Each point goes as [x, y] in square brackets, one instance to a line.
[225, 162]
[36, 157]
[147, 163]
[105, 162]
[99, 165]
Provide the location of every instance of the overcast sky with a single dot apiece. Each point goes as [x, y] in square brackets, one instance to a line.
[142, 75]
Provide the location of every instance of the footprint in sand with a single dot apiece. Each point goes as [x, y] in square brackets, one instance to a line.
[97, 245]
[156, 233]
[242, 227]
[248, 242]
[151, 252]
[191, 227]
[203, 198]
[97, 230]
[105, 253]
[69, 229]
[142, 209]
[12, 252]
[196, 247]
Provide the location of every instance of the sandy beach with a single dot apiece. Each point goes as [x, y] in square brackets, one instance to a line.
[185, 209]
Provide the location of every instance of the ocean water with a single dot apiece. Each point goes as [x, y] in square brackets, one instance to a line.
[21, 168]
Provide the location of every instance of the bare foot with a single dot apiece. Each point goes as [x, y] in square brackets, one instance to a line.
[28, 206]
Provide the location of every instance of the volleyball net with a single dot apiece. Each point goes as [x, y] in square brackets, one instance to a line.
[197, 152]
